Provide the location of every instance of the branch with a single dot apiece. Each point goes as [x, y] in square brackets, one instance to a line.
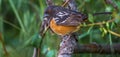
[66, 1]
[67, 46]
[71, 4]
[97, 48]
[68, 43]
[100, 23]
[113, 33]
[35, 52]
[95, 14]
[3, 45]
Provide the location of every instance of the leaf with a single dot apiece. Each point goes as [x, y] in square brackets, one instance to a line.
[90, 18]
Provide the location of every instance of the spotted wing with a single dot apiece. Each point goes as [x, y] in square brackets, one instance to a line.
[68, 17]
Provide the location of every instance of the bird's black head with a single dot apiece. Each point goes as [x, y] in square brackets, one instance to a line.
[50, 10]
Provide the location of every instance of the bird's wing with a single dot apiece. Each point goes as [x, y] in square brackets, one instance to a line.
[69, 18]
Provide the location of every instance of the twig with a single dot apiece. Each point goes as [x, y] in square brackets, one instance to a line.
[3, 45]
[38, 52]
[95, 14]
[71, 5]
[65, 3]
[11, 24]
[99, 23]
[114, 33]
[35, 52]
[49, 3]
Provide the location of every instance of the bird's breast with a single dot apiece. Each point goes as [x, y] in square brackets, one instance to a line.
[62, 30]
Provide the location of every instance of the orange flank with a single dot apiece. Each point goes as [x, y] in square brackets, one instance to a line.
[62, 30]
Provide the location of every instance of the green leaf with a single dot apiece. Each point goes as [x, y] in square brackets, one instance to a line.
[107, 25]
[90, 18]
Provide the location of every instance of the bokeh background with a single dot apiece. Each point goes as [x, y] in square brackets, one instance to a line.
[20, 23]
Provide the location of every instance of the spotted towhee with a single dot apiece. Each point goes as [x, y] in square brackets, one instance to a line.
[61, 21]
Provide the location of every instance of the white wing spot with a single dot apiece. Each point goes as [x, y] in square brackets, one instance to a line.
[61, 14]
[56, 19]
[65, 20]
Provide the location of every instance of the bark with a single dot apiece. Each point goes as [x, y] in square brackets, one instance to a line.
[69, 42]
[98, 48]
[67, 46]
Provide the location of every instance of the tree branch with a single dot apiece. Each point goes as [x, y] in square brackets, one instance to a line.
[67, 46]
[97, 48]
[68, 43]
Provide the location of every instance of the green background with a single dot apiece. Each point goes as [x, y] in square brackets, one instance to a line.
[20, 23]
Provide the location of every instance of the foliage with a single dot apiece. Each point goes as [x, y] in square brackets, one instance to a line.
[20, 23]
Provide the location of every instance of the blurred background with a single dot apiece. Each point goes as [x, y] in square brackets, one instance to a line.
[20, 23]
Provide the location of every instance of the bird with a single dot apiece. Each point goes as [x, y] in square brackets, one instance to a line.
[61, 21]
